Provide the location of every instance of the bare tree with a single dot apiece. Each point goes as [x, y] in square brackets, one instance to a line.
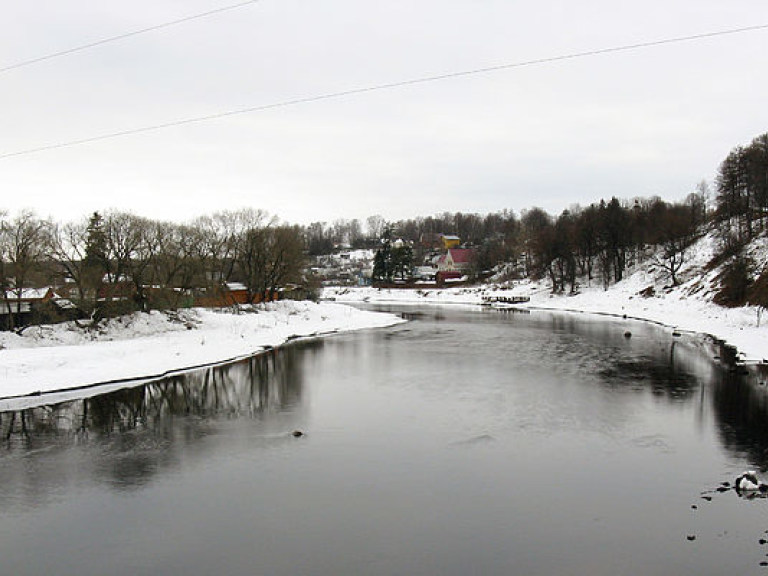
[375, 226]
[23, 243]
[271, 256]
[126, 236]
[67, 246]
[677, 231]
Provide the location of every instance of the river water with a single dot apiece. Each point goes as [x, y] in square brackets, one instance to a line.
[465, 441]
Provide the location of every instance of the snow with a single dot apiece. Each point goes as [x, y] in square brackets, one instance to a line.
[145, 346]
[687, 307]
[748, 482]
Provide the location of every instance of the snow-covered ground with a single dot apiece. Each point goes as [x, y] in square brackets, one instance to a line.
[687, 307]
[64, 356]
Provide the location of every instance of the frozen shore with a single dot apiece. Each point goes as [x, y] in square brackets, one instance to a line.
[678, 309]
[146, 346]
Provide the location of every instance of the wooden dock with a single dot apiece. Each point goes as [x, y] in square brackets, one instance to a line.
[505, 300]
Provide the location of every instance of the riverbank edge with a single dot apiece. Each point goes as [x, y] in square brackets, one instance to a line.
[54, 395]
[416, 299]
[183, 370]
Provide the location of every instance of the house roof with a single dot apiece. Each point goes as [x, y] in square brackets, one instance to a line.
[28, 294]
[461, 255]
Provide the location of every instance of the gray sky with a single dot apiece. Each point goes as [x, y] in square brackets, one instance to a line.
[637, 123]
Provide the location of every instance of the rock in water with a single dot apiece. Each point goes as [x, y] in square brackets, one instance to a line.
[748, 482]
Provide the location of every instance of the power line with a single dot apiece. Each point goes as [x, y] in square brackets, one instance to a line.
[124, 36]
[379, 87]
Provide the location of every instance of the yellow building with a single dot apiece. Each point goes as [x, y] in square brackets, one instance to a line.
[450, 241]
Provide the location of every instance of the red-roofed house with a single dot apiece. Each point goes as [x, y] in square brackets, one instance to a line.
[456, 260]
[454, 265]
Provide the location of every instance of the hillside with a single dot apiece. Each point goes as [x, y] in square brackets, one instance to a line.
[645, 293]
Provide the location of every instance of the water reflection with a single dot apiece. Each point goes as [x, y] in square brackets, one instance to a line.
[125, 437]
[263, 383]
[741, 407]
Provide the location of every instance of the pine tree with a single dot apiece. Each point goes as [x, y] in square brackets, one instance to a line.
[96, 262]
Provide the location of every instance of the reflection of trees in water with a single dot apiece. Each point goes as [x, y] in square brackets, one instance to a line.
[662, 379]
[125, 437]
[741, 409]
[674, 372]
[265, 383]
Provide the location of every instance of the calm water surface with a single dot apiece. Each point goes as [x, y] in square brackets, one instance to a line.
[463, 442]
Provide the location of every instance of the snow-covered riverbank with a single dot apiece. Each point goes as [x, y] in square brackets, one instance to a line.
[642, 295]
[63, 356]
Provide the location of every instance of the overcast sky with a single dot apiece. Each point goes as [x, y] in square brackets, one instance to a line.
[652, 121]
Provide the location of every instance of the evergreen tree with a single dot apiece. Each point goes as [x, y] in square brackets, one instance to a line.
[382, 260]
[96, 261]
[96, 243]
[402, 261]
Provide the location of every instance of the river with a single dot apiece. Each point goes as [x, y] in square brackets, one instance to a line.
[465, 441]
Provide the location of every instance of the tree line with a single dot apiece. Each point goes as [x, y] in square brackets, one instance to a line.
[106, 256]
[601, 241]
[118, 262]
[740, 217]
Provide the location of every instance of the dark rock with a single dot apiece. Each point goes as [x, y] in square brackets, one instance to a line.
[627, 334]
[707, 498]
[297, 433]
[691, 537]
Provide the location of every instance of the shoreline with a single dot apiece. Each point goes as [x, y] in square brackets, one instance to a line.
[60, 362]
[50, 365]
[735, 328]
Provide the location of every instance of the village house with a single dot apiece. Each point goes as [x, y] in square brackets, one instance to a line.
[450, 241]
[31, 305]
[454, 265]
[456, 260]
[438, 241]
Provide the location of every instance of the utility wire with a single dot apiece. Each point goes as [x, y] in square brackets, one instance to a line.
[90, 45]
[379, 87]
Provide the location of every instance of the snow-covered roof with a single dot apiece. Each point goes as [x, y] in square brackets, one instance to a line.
[28, 294]
[456, 279]
[232, 286]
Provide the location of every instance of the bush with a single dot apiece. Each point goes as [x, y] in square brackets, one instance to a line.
[757, 294]
[735, 282]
